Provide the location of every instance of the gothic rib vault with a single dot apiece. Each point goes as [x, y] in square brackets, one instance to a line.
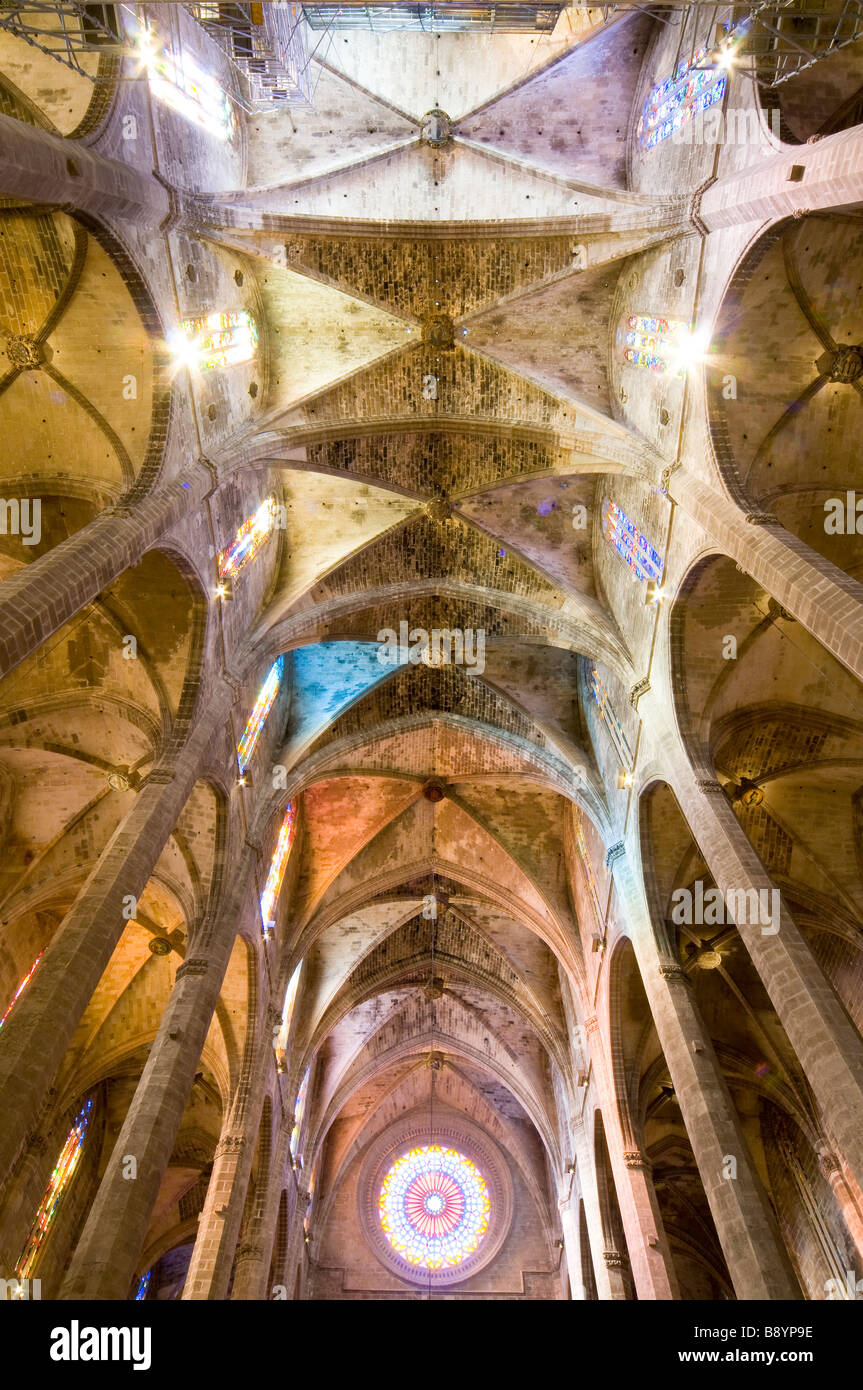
[440, 257]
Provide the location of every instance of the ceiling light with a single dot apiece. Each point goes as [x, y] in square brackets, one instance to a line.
[654, 593]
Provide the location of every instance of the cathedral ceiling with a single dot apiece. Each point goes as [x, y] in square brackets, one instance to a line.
[438, 407]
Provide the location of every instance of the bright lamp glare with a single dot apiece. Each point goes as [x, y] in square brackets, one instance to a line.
[688, 350]
[185, 351]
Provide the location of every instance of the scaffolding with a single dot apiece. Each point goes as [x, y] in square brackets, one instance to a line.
[266, 42]
[67, 32]
[435, 18]
[781, 37]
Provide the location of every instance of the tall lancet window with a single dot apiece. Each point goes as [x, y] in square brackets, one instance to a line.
[278, 864]
[58, 1182]
[258, 717]
[223, 338]
[21, 988]
[176, 79]
[632, 546]
[607, 714]
[248, 540]
[299, 1112]
[659, 344]
[590, 877]
[287, 1015]
[671, 104]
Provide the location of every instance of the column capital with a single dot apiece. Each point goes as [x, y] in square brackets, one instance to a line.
[829, 1164]
[674, 972]
[710, 788]
[161, 776]
[634, 1159]
[231, 1144]
[640, 688]
[695, 205]
[172, 216]
[665, 476]
[195, 965]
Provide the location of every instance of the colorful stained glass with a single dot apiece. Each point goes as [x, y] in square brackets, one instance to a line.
[434, 1207]
[143, 1286]
[287, 1015]
[216, 340]
[60, 1178]
[656, 343]
[248, 540]
[299, 1112]
[278, 864]
[632, 547]
[20, 990]
[679, 98]
[177, 80]
[258, 717]
[584, 856]
[612, 723]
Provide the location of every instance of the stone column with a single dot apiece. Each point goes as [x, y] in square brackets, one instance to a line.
[110, 1245]
[753, 1248]
[39, 599]
[831, 1170]
[20, 1200]
[46, 168]
[607, 1273]
[42, 1024]
[256, 1247]
[762, 192]
[222, 1216]
[649, 1254]
[827, 1044]
[572, 1246]
[827, 602]
[280, 1260]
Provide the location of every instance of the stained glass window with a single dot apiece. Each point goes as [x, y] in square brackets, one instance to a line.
[143, 1286]
[248, 540]
[679, 98]
[584, 856]
[307, 1219]
[434, 1207]
[60, 1178]
[278, 864]
[299, 1112]
[632, 547]
[182, 84]
[656, 343]
[216, 340]
[612, 723]
[20, 990]
[287, 1015]
[258, 716]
